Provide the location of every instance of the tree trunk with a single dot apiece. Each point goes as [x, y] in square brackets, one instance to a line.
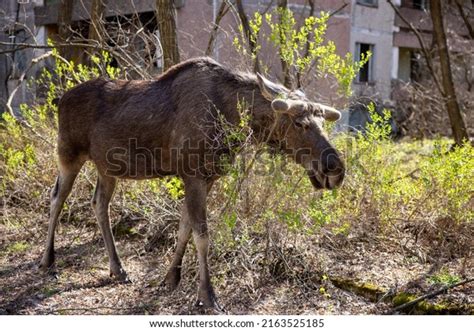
[306, 50]
[97, 18]
[166, 18]
[457, 122]
[246, 27]
[64, 26]
[287, 78]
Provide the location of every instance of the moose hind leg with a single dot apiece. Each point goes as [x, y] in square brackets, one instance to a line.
[59, 193]
[100, 203]
[173, 276]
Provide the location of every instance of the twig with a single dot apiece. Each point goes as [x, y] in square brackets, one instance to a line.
[88, 44]
[338, 10]
[410, 174]
[20, 46]
[431, 295]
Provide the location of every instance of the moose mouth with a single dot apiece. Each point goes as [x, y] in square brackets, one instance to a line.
[328, 181]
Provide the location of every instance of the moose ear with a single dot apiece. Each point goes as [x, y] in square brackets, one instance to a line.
[331, 114]
[269, 90]
[280, 105]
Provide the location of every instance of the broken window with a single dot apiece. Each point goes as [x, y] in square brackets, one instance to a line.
[416, 4]
[365, 74]
[372, 3]
[410, 65]
[421, 4]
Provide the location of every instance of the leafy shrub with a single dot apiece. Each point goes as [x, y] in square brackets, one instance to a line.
[299, 48]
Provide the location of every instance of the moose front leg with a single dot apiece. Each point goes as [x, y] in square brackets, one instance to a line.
[206, 295]
[195, 204]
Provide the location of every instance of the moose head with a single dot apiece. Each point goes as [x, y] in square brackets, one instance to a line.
[299, 131]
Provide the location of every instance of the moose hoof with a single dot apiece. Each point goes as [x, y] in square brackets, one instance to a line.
[168, 288]
[120, 275]
[46, 266]
[171, 282]
[47, 261]
[48, 271]
[209, 302]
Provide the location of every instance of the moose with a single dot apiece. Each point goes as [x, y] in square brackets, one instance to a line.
[176, 114]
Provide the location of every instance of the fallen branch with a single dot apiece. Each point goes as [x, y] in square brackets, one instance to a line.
[366, 290]
[402, 300]
[430, 295]
[94, 309]
[411, 174]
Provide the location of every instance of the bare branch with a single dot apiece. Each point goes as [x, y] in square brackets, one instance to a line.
[17, 87]
[223, 9]
[335, 12]
[114, 51]
[466, 20]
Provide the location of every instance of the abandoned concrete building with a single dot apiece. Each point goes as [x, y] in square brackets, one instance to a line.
[357, 26]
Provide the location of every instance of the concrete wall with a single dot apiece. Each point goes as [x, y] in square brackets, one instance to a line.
[374, 25]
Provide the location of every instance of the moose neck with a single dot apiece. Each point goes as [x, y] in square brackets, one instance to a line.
[245, 94]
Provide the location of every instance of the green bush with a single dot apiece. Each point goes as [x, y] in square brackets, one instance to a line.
[301, 48]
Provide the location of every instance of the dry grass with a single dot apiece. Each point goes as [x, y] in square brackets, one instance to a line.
[285, 273]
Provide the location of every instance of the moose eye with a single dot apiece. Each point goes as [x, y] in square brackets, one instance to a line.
[299, 124]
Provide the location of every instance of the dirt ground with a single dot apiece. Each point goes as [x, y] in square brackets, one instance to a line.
[82, 284]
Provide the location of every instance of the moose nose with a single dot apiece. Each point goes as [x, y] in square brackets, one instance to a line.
[335, 179]
[333, 169]
[331, 162]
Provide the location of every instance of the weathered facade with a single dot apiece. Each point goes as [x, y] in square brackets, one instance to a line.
[358, 27]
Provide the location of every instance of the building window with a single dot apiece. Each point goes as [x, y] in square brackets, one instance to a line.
[371, 3]
[421, 4]
[416, 4]
[366, 73]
